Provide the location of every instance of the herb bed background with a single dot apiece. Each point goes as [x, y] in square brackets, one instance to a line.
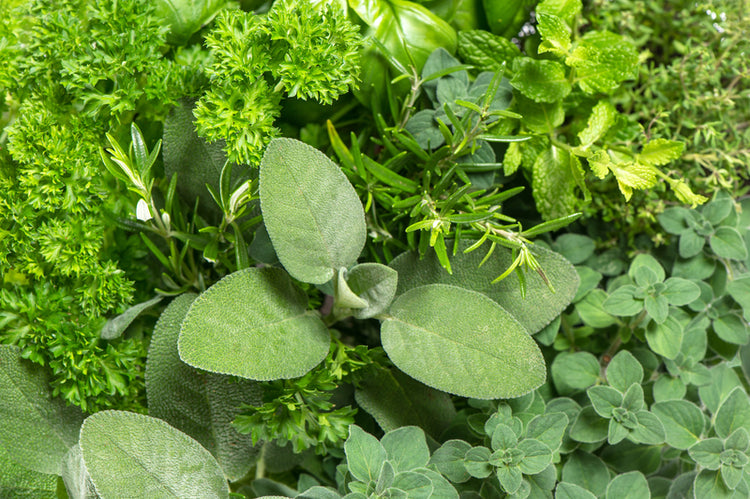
[374, 248]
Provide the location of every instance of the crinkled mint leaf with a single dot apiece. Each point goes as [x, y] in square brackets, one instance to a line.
[540, 80]
[602, 61]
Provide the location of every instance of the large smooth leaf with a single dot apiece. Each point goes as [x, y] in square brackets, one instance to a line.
[36, 429]
[394, 400]
[409, 32]
[140, 456]
[536, 310]
[311, 211]
[199, 403]
[185, 17]
[253, 324]
[461, 342]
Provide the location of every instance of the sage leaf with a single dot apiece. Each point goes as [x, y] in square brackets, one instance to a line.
[36, 430]
[76, 477]
[311, 211]
[461, 342]
[376, 284]
[114, 327]
[147, 457]
[534, 312]
[194, 161]
[246, 322]
[17, 481]
[198, 403]
[395, 400]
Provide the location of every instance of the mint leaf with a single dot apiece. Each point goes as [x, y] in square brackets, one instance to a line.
[602, 61]
[659, 152]
[540, 80]
[555, 34]
[554, 183]
[485, 50]
[601, 119]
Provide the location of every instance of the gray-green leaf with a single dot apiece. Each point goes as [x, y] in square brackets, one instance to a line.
[199, 403]
[683, 422]
[311, 211]
[246, 322]
[146, 457]
[36, 429]
[534, 312]
[462, 342]
[374, 283]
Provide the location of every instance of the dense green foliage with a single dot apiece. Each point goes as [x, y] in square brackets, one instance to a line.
[374, 248]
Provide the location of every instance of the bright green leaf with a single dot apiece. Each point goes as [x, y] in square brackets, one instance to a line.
[602, 61]
[485, 50]
[540, 80]
[555, 34]
[601, 119]
[659, 152]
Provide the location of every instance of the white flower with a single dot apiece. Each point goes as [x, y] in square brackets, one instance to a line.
[142, 212]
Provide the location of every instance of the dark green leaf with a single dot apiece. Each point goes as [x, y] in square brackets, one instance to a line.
[574, 371]
[117, 325]
[587, 471]
[683, 422]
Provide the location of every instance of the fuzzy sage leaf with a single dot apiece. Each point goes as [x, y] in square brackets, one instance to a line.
[311, 211]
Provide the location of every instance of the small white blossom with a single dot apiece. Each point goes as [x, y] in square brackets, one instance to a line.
[142, 212]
